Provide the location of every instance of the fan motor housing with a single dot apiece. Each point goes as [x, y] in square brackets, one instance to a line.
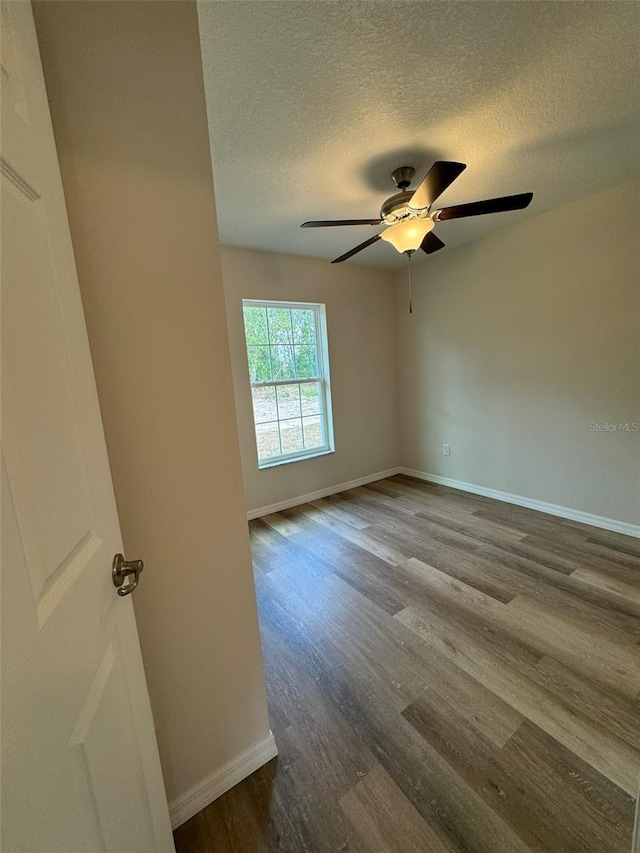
[396, 207]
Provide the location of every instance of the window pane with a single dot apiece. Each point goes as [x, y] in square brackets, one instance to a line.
[291, 404]
[304, 326]
[259, 368]
[282, 362]
[268, 440]
[264, 405]
[255, 325]
[288, 401]
[291, 436]
[279, 325]
[306, 361]
[313, 432]
[310, 398]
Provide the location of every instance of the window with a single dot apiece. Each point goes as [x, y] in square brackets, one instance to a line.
[289, 374]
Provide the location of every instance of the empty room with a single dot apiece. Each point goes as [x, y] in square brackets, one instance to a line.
[320, 426]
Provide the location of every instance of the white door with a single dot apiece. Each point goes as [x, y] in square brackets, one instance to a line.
[80, 764]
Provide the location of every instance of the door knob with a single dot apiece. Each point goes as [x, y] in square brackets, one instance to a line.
[122, 569]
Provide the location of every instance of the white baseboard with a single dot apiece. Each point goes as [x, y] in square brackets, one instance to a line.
[635, 844]
[552, 509]
[222, 780]
[322, 493]
[542, 506]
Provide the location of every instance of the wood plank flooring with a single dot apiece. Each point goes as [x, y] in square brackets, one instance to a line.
[445, 674]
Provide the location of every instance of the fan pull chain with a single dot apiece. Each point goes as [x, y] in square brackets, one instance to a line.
[410, 302]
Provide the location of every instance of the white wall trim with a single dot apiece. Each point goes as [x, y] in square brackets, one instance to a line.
[222, 780]
[635, 843]
[322, 493]
[542, 506]
[552, 509]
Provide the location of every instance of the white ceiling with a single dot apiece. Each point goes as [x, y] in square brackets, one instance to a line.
[312, 104]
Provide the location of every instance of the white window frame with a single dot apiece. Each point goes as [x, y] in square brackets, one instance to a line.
[323, 380]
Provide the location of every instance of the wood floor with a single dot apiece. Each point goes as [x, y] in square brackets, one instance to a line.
[445, 673]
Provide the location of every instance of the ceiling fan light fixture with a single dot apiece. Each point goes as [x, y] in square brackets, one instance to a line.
[407, 236]
[408, 214]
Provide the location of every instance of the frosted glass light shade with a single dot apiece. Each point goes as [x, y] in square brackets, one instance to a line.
[408, 235]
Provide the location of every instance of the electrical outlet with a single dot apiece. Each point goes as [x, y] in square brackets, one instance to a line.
[446, 450]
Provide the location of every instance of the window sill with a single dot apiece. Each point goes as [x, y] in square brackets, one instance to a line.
[276, 462]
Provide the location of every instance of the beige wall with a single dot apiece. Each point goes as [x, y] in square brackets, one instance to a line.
[126, 92]
[361, 335]
[517, 344]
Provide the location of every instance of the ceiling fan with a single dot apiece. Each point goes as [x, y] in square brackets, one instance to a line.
[408, 215]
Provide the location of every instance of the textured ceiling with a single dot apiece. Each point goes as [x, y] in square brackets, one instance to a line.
[312, 104]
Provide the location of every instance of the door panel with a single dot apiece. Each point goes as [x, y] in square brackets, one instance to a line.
[80, 764]
[56, 522]
[104, 739]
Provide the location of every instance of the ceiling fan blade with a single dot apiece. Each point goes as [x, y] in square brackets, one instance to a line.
[327, 223]
[356, 250]
[490, 205]
[431, 243]
[441, 175]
